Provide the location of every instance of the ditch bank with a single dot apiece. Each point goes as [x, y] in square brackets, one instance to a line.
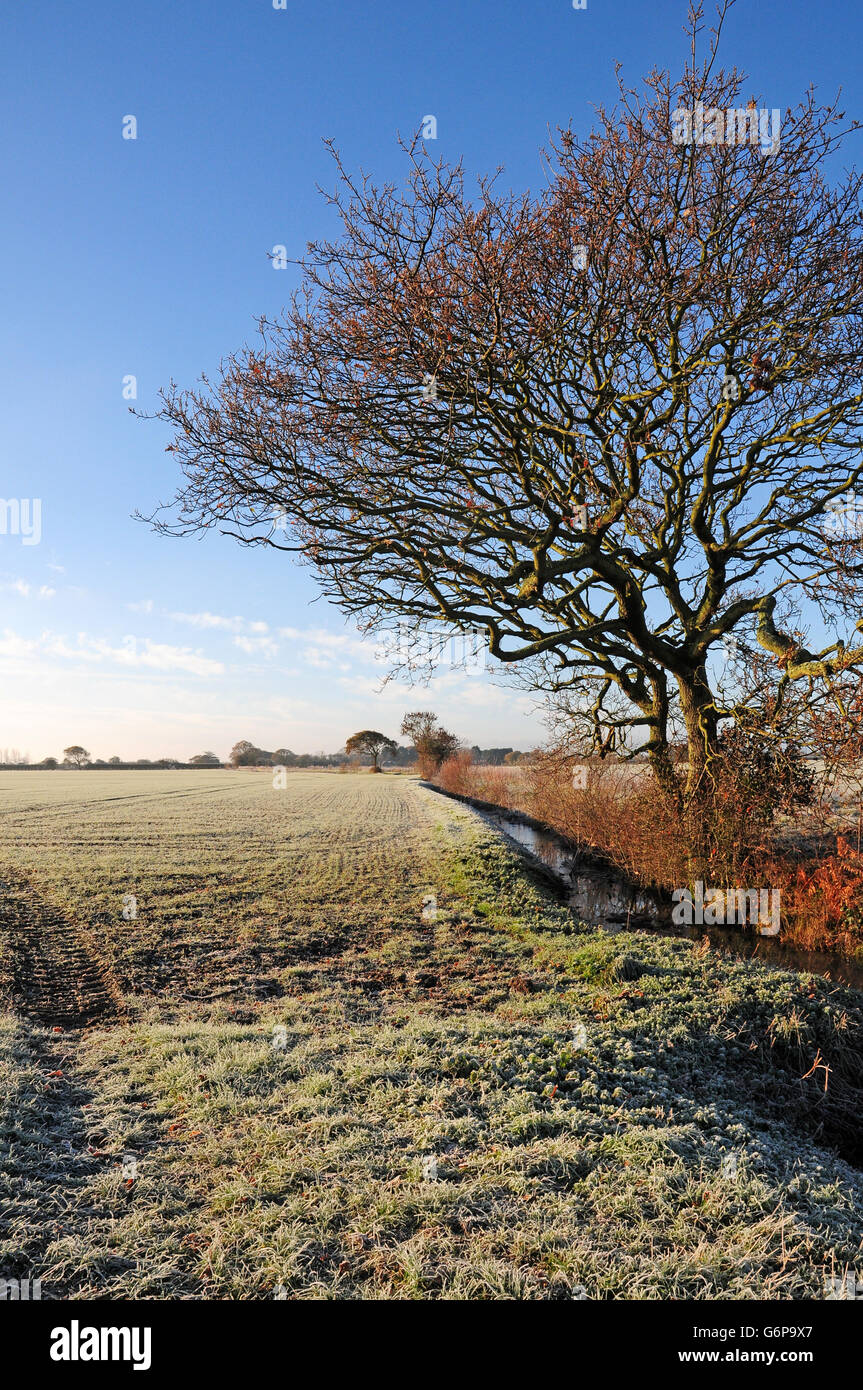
[601, 896]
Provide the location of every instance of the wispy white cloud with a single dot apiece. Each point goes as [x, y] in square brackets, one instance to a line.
[131, 652]
[324, 661]
[394, 692]
[208, 620]
[13, 645]
[144, 605]
[25, 590]
[264, 645]
[311, 644]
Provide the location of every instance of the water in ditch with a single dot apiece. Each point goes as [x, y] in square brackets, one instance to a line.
[597, 896]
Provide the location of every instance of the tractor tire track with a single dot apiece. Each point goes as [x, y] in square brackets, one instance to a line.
[51, 969]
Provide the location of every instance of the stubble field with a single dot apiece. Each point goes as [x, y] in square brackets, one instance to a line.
[279, 1075]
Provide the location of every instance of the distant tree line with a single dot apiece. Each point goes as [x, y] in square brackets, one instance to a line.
[496, 757]
[430, 745]
[77, 758]
[246, 754]
[10, 757]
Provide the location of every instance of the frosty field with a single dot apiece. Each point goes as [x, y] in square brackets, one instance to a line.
[285, 1072]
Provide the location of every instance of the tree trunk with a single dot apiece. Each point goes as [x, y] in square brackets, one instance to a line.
[665, 776]
[657, 712]
[699, 714]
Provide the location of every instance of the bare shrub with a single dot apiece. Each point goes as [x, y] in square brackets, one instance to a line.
[454, 775]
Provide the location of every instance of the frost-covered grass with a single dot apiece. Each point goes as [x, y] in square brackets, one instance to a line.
[623, 1117]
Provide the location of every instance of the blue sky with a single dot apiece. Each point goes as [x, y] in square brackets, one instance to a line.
[148, 257]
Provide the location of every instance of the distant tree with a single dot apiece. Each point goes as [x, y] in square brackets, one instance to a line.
[432, 742]
[371, 742]
[76, 755]
[115, 761]
[244, 754]
[49, 762]
[207, 759]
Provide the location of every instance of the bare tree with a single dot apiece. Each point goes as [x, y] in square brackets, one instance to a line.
[603, 425]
